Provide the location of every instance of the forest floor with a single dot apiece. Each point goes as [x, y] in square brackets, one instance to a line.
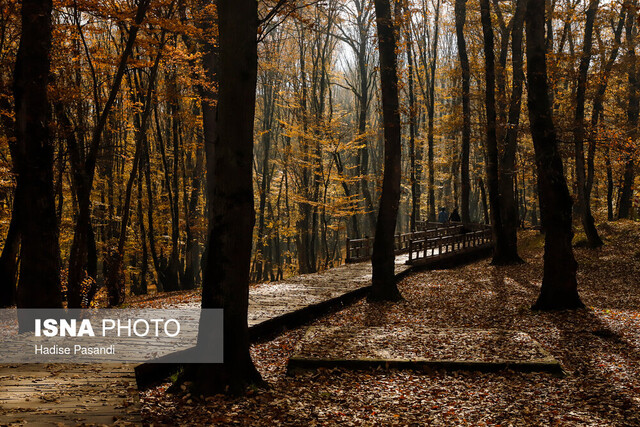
[598, 347]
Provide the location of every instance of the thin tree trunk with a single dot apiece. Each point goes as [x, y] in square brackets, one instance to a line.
[141, 289]
[508, 172]
[363, 108]
[303, 224]
[82, 257]
[363, 153]
[597, 110]
[465, 183]
[502, 250]
[633, 109]
[584, 203]
[414, 151]
[269, 99]
[431, 113]
[384, 286]
[355, 228]
[624, 207]
[483, 198]
[607, 161]
[174, 257]
[114, 277]
[189, 278]
[150, 212]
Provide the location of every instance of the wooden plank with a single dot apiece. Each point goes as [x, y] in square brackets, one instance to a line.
[69, 394]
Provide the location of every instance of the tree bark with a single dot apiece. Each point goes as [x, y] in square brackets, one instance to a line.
[624, 208]
[39, 280]
[9, 257]
[431, 113]
[483, 199]
[609, 169]
[598, 108]
[304, 235]
[508, 173]
[190, 278]
[228, 257]
[269, 94]
[559, 285]
[465, 183]
[415, 152]
[383, 258]
[11, 249]
[150, 211]
[208, 102]
[584, 202]
[114, 277]
[363, 108]
[633, 109]
[141, 287]
[503, 252]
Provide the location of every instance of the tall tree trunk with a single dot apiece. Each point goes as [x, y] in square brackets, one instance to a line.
[208, 99]
[174, 257]
[415, 153]
[363, 108]
[226, 268]
[431, 113]
[189, 278]
[383, 259]
[39, 281]
[141, 288]
[9, 257]
[11, 249]
[584, 203]
[559, 285]
[166, 265]
[624, 208]
[354, 232]
[633, 109]
[507, 171]
[114, 277]
[598, 108]
[363, 153]
[465, 183]
[609, 169]
[483, 199]
[503, 252]
[150, 212]
[269, 98]
[303, 224]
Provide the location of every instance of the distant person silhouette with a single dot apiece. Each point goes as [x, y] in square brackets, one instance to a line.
[443, 216]
[455, 216]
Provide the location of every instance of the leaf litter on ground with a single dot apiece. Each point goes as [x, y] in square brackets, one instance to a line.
[598, 347]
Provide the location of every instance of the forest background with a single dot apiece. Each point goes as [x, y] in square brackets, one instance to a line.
[129, 85]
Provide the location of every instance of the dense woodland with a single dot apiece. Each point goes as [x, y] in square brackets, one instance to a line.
[140, 137]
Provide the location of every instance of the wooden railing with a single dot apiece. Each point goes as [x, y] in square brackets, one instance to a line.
[427, 225]
[361, 249]
[421, 250]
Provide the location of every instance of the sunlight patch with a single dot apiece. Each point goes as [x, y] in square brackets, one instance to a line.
[403, 347]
